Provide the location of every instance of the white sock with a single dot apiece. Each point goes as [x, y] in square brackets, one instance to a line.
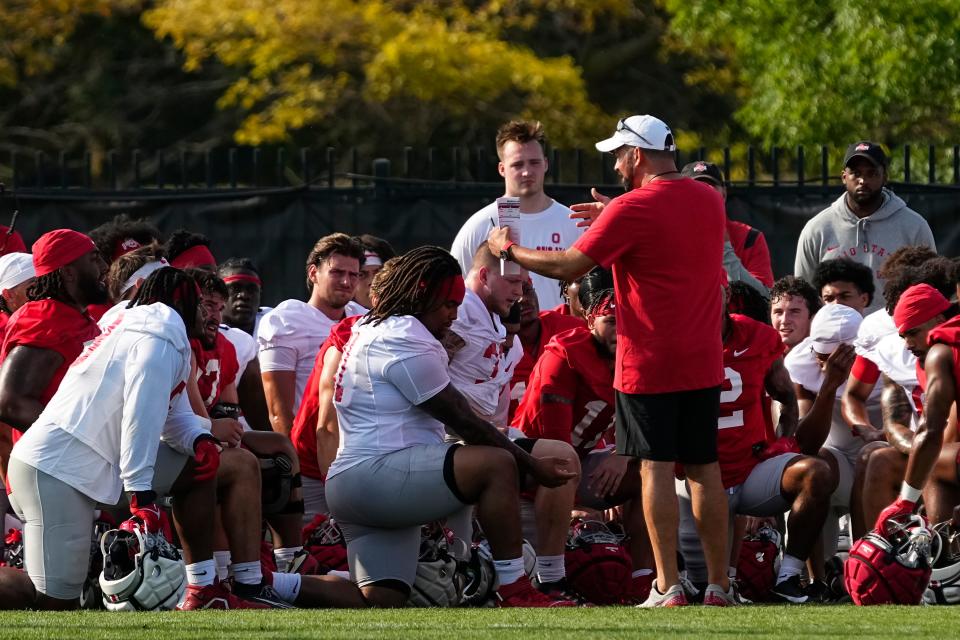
[287, 585]
[639, 573]
[201, 574]
[731, 572]
[509, 571]
[789, 567]
[285, 555]
[340, 574]
[246, 572]
[551, 568]
[222, 558]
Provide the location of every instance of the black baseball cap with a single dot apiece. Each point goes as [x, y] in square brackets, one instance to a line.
[866, 149]
[703, 170]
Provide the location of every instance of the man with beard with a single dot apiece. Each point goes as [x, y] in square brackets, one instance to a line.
[216, 378]
[928, 324]
[570, 398]
[46, 334]
[668, 390]
[867, 223]
[290, 335]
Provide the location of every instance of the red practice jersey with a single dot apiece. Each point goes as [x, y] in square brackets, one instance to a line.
[747, 355]
[572, 367]
[947, 333]
[304, 431]
[217, 368]
[53, 325]
[551, 323]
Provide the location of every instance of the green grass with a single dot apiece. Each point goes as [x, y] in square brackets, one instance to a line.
[467, 624]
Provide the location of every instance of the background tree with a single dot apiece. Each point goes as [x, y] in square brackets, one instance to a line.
[829, 71]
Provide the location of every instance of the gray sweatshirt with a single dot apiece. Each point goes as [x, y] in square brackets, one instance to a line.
[837, 232]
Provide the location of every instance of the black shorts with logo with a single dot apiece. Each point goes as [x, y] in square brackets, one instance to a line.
[678, 426]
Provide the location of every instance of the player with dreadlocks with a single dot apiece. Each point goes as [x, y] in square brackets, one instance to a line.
[393, 471]
[47, 333]
[119, 424]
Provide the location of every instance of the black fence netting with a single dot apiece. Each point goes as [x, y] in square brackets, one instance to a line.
[277, 227]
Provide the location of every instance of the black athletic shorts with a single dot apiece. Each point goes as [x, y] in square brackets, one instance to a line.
[680, 426]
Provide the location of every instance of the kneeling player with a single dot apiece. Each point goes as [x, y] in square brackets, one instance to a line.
[569, 397]
[762, 478]
[393, 471]
[101, 435]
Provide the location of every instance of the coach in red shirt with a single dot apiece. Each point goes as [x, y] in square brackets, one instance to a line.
[664, 242]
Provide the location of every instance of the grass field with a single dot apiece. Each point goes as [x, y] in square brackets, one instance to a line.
[465, 624]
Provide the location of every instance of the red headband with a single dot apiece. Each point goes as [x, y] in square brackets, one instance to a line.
[242, 277]
[59, 248]
[918, 304]
[196, 256]
[453, 288]
[606, 307]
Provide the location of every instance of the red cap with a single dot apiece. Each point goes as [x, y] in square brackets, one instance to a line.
[59, 248]
[918, 304]
[11, 241]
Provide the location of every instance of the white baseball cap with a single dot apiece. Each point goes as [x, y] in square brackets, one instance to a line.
[644, 131]
[15, 269]
[834, 324]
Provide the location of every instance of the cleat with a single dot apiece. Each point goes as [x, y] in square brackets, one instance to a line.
[674, 597]
[790, 590]
[523, 594]
[714, 596]
[215, 596]
[263, 594]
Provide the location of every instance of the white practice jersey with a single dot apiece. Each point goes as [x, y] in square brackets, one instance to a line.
[805, 371]
[874, 328]
[385, 372]
[479, 367]
[550, 230]
[244, 344]
[290, 335]
[878, 341]
[120, 397]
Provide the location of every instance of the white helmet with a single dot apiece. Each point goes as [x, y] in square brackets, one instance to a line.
[944, 587]
[141, 572]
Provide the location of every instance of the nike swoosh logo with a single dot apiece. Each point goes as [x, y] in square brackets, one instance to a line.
[737, 354]
[833, 248]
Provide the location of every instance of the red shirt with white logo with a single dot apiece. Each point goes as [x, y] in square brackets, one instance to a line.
[747, 355]
[664, 242]
[572, 367]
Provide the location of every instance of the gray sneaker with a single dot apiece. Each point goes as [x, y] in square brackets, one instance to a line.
[674, 597]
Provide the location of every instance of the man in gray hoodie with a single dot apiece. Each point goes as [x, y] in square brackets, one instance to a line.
[866, 224]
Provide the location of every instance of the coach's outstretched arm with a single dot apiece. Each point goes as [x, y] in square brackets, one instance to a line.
[451, 408]
[566, 265]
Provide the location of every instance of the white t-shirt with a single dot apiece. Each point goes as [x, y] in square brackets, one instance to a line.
[290, 335]
[550, 230]
[805, 371]
[385, 372]
[480, 369]
[122, 395]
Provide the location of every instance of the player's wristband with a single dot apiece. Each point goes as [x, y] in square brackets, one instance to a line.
[909, 493]
[505, 252]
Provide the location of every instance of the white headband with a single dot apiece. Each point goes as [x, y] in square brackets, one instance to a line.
[143, 272]
[370, 259]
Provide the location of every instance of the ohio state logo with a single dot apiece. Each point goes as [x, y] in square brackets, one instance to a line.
[129, 244]
[863, 146]
[700, 167]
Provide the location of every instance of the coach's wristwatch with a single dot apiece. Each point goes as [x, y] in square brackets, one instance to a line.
[505, 252]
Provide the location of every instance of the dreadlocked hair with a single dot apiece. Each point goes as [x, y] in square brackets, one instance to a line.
[411, 284]
[747, 301]
[173, 288]
[376, 285]
[49, 285]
